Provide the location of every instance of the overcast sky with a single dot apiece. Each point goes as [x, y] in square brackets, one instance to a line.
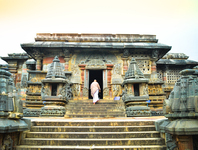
[174, 22]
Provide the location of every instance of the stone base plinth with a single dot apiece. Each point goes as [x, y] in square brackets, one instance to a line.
[138, 111]
[50, 111]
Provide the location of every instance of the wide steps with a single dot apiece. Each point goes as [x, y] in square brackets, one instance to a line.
[90, 122]
[99, 134]
[46, 147]
[92, 128]
[95, 113]
[92, 141]
[92, 116]
[102, 109]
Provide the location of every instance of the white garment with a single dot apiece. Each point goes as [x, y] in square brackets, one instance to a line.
[95, 98]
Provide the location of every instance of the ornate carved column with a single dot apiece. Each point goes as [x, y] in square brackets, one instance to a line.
[38, 55]
[82, 68]
[125, 65]
[125, 59]
[38, 63]
[67, 58]
[165, 71]
[109, 68]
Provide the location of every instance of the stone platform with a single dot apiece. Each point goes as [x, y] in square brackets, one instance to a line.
[132, 133]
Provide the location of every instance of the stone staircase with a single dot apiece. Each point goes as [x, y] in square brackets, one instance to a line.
[103, 108]
[99, 134]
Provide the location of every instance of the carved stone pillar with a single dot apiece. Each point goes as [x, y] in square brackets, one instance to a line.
[66, 63]
[153, 67]
[67, 58]
[125, 56]
[82, 68]
[165, 74]
[38, 64]
[125, 65]
[109, 68]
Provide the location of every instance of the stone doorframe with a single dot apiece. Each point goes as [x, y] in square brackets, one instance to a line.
[107, 76]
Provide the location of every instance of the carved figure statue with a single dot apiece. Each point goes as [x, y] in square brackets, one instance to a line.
[145, 90]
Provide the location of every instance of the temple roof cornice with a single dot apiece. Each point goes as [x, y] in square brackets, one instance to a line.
[95, 45]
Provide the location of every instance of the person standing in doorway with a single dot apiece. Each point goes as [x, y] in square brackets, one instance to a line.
[95, 87]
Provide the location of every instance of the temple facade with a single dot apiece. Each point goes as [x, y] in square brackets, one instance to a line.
[105, 57]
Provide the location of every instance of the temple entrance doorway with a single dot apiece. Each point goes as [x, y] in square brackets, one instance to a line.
[98, 75]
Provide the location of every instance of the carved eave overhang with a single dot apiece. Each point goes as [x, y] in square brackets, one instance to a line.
[149, 47]
[16, 56]
[176, 62]
[133, 81]
[57, 80]
[155, 81]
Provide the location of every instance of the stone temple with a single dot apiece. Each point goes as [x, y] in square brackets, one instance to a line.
[135, 72]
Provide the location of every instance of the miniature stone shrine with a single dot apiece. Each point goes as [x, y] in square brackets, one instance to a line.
[55, 91]
[11, 111]
[181, 109]
[135, 92]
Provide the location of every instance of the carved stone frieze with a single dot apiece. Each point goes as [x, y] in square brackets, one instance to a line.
[31, 112]
[107, 57]
[76, 89]
[7, 143]
[138, 111]
[117, 69]
[53, 111]
[106, 91]
[66, 92]
[45, 91]
[116, 90]
[96, 64]
[75, 70]
[85, 91]
[145, 90]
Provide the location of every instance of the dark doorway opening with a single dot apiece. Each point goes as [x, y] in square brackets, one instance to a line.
[98, 75]
[54, 89]
[136, 90]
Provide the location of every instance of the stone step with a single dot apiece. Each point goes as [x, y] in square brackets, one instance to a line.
[95, 109]
[92, 105]
[94, 113]
[96, 142]
[92, 128]
[108, 147]
[94, 135]
[94, 122]
[93, 116]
